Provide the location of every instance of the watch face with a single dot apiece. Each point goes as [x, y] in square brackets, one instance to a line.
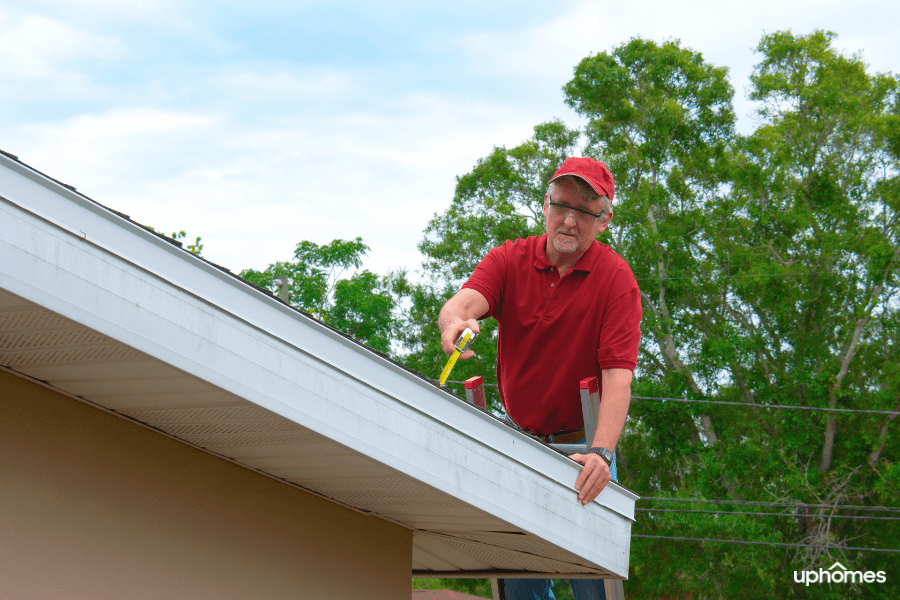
[605, 453]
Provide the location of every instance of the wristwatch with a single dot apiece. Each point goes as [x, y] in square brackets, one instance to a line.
[604, 453]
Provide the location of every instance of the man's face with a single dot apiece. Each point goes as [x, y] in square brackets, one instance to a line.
[568, 232]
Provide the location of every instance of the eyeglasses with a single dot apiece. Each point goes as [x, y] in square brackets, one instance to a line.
[564, 210]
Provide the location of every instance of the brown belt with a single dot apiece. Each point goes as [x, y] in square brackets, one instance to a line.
[563, 437]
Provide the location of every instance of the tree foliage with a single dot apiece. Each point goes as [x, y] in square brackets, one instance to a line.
[361, 305]
[196, 248]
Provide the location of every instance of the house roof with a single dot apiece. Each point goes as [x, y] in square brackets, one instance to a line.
[110, 313]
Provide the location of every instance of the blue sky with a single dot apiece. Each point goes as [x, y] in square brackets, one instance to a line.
[257, 126]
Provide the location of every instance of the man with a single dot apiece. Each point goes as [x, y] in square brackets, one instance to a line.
[568, 308]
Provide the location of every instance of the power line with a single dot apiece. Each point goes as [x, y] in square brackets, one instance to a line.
[737, 276]
[688, 539]
[772, 504]
[714, 276]
[766, 514]
[766, 406]
[779, 406]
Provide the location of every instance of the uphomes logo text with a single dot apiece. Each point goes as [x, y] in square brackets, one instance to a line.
[838, 573]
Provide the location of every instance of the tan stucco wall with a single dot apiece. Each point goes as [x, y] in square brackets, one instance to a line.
[95, 507]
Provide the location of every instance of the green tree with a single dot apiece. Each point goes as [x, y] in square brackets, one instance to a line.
[789, 300]
[361, 305]
[364, 309]
[196, 248]
[809, 238]
[473, 587]
[827, 211]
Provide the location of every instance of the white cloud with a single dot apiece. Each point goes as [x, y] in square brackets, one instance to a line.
[125, 123]
[279, 84]
[112, 148]
[35, 46]
[322, 180]
[547, 49]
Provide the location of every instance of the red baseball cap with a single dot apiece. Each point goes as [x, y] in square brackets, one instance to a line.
[592, 171]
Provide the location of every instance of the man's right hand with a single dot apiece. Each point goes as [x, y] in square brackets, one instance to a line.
[452, 332]
[460, 312]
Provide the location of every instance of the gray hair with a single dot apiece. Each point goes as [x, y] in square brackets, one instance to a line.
[585, 190]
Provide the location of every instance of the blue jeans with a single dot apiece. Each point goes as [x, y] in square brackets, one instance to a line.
[539, 589]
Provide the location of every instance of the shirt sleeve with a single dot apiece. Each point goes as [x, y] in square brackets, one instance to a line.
[620, 333]
[489, 279]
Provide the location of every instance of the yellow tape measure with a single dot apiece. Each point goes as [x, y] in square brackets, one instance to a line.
[462, 344]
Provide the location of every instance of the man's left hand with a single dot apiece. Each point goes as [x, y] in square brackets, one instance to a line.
[593, 477]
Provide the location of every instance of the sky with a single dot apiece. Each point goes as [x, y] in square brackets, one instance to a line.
[259, 125]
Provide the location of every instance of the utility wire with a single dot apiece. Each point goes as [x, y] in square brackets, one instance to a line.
[766, 514]
[656, 278]
[779, 406]
[766, 406]
[772, 504]
[688, 539]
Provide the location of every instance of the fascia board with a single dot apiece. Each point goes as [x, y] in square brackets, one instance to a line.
[78, 259]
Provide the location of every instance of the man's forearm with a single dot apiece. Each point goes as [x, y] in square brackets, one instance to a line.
[616, 386]
[466, 304]
[616, 397]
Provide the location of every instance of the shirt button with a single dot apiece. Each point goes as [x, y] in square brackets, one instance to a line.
[552, 284]
[551, 269]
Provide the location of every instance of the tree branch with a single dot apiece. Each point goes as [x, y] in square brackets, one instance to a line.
[875, 456]
[848, 352]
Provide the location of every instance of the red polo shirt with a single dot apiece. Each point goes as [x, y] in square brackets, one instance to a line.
[555, 332]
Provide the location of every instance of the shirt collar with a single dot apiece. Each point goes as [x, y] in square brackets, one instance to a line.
[584, 263]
